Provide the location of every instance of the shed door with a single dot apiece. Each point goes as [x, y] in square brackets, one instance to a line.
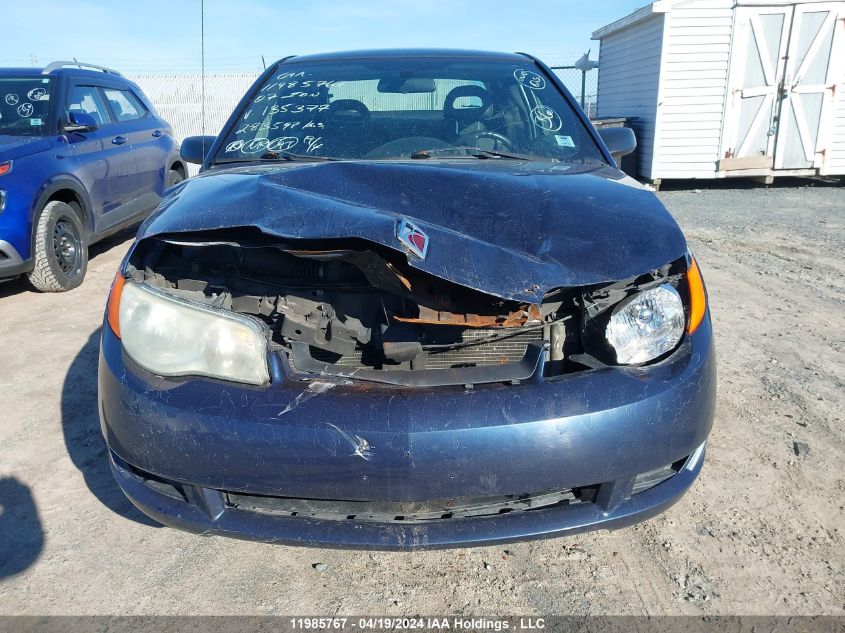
[806, 94]
[761, 36]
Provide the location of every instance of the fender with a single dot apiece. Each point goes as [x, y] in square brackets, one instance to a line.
[56, 183]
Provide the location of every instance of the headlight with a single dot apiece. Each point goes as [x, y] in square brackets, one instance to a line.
[646, 325]
[170, 337]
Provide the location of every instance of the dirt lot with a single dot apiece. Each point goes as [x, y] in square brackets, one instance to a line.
[761, 532]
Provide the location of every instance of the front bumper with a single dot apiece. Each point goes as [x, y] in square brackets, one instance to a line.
[16, 224]
[597, 430]
[205, 511]
[11, 263]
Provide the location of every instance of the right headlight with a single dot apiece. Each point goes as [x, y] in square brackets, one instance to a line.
[171, 337]
[646, 325]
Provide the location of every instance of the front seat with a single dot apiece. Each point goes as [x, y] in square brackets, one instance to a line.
[117, 108]
[468, 121]
[347, 127]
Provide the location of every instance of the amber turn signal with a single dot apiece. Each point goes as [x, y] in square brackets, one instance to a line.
[697, 297]
[113, 309]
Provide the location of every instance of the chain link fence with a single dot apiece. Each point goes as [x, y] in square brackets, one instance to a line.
[583, 84]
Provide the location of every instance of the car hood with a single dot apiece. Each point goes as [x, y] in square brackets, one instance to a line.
[512, 229]
[12, 147]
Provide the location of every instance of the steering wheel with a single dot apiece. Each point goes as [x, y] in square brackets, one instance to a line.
[498, 139]
[404, 147]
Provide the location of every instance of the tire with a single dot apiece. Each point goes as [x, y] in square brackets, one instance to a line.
[173, 179]
[61, 250]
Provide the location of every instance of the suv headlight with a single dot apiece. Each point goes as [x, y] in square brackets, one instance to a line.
[646, 325]
[171, 337]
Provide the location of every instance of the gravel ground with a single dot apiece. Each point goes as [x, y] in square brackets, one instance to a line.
[761, 532]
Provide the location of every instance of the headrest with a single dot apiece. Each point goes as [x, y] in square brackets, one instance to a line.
[466, 115]
[348, 111]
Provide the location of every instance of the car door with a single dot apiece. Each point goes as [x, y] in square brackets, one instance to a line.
[92, 151]
[148, 140]
[124, 184]
[116, 181]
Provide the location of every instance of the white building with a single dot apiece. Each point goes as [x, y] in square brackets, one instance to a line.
[723, 88]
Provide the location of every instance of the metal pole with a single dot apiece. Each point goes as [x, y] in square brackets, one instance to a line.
[202, 71]
[583, 89]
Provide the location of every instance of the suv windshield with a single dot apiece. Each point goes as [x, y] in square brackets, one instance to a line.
[24, 105]
[409, 108]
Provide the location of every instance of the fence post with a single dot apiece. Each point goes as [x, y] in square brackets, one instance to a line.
[583, 88]
[584, 66]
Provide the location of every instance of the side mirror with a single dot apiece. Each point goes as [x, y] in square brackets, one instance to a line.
[194, 148]
[79, 122]
[619, 140]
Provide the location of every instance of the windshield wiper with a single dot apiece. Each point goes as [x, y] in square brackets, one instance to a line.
[475, 152]
[275, 156]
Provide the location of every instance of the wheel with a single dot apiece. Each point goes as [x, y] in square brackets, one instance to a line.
[61, 251]
[173, 179]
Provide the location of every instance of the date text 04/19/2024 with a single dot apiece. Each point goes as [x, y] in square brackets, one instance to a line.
[455, 623]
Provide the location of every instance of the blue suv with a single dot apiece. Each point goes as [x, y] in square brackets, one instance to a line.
[83, 154]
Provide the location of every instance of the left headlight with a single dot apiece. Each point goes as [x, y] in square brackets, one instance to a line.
[171, 337]
[646, 325]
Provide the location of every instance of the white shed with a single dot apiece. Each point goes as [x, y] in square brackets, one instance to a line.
[723, 88]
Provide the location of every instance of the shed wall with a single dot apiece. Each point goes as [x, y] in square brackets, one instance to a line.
[835, 163]
[629, 76]
[693, 83]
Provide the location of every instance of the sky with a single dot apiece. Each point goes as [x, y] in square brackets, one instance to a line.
[164, 35]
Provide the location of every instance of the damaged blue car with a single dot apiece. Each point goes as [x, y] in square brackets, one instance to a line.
[410, 301]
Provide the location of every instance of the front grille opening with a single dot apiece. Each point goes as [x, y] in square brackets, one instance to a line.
[3, 255]
[482, 354]
[404, 512]
[412, 511]
[336, 306]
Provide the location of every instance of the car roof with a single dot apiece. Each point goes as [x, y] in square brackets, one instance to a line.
[404, 53]
[21, 72]
[54, 71]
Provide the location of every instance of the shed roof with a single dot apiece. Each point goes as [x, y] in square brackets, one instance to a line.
[643, 13]
[664, 6]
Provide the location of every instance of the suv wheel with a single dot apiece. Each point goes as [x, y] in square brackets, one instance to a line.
[61, 253]
[173, 179]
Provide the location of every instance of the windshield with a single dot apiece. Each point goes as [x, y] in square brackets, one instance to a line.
[24, 105]
[409, 108]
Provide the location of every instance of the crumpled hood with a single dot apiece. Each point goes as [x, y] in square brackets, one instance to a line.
[13, 147]
[511, 229]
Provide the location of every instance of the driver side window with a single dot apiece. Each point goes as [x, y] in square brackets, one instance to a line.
[89, 99]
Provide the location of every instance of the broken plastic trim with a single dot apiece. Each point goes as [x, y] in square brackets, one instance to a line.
[597, 305]
[530, 365]
[408, 511]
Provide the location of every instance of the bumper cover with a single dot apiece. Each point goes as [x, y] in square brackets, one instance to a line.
[318, 440]
[207, 513]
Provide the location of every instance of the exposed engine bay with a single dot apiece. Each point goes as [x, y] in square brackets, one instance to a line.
[355, 309]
